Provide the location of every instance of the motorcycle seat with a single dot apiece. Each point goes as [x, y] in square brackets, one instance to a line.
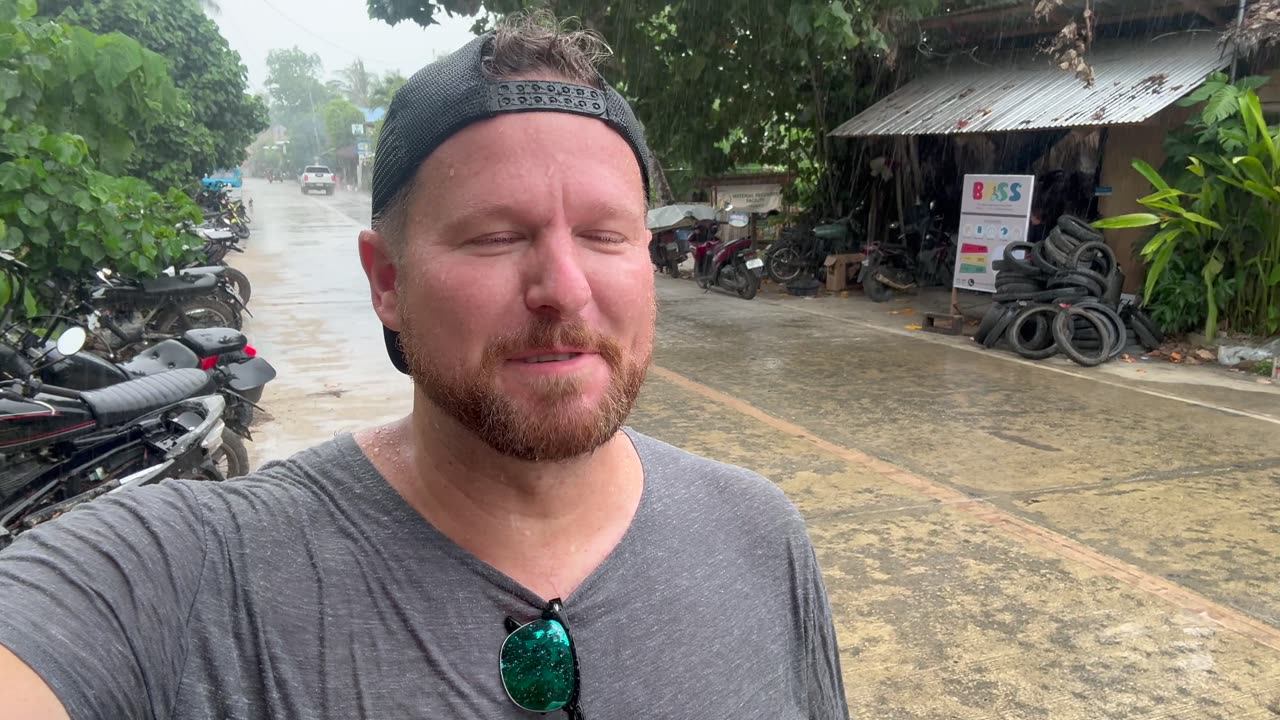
[119, 404]
[206, 270]
[183, 284]
[211, 342]
[161, 357]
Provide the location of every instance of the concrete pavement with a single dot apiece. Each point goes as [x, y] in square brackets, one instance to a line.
[1000, 539]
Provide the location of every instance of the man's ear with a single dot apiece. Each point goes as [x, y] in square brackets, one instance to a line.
[375, 257]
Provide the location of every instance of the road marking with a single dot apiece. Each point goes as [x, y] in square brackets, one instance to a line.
[1009, 357]
[1042, 538]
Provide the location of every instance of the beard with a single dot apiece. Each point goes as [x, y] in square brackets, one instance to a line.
[556, 427]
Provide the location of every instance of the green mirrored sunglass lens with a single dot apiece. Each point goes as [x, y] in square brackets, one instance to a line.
[537, 666]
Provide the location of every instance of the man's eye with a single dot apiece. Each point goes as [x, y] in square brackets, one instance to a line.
[495, 240]
[607, 238]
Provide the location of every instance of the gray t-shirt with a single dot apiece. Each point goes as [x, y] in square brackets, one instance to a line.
[312, 591]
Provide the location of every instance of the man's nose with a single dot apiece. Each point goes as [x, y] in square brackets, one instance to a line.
[557, 282]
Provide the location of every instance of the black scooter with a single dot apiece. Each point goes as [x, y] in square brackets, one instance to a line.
[60, 448]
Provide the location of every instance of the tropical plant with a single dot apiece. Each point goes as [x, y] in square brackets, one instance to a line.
[69, 98]
[1224, 215]
[209, 75]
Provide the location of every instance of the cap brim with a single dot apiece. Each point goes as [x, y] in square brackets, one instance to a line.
[392, 338]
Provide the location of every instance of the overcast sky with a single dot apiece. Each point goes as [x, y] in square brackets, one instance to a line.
[339, 30]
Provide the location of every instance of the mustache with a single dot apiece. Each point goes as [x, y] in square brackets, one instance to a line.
[546, 333]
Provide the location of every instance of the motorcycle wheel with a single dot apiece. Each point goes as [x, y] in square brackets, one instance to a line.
[239, 282]
[232, 459]
[748, 283]
[875, 290]
[783, 264]
[201, 312]
[673, 269]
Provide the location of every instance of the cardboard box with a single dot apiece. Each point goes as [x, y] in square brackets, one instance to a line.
[837, 267]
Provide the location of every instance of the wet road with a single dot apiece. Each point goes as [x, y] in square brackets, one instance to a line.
[1000, 539]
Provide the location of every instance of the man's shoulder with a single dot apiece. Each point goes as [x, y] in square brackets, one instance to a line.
[704, 485]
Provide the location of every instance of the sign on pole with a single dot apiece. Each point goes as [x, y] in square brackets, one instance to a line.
[994, 212]
[357, 128]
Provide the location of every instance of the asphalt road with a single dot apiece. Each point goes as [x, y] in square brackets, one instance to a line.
[1000, 539]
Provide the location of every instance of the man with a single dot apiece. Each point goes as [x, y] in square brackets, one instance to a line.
[508, 548]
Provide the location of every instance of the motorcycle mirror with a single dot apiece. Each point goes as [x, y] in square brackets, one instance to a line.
[71, 341]
[933, 204]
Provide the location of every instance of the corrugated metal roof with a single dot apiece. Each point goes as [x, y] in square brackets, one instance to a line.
[1134, 80]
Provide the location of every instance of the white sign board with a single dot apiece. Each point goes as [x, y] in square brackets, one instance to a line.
[751, 198]
[994, 212]
[357, 128]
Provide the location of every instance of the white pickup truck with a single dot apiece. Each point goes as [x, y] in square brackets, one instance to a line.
[318, 177]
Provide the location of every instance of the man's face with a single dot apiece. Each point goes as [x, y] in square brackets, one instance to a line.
[525, 297]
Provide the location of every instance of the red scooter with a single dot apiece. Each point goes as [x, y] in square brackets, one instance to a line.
[731, 265]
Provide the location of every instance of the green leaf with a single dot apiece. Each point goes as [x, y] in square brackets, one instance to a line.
[13, 176]
[26, 9]
[1195, 167]
[1131, 220]
[1162, 239]
[1160, 195]
[29, 303]
[1275, 276]
[1197, 217]
[1162, 257]
[37, 204]
[1222, 105]
[1269, 194]
[115, 59]
[1150, 174]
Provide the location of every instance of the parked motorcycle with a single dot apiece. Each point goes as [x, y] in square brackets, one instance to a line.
[233, 366]
[60, 448]
[731, 265]
[673, 227]
[124, 316]
[920, 255]
[217, 245]
[802, 251]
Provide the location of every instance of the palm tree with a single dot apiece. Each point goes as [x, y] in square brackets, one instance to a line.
[384, 88]
[354, 82]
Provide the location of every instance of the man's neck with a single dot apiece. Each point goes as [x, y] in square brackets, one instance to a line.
[545, 525]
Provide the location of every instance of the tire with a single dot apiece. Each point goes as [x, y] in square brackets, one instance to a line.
[1031, 349]
[1118, 329]
[1141, 330]
[876, 290]
[1107, 254]
[1056, 251]
[1039, 296]
[240, 282]
[232, 458]
[1087, 279]
[1063, 332]
[1040, 260]
[1023, 266]
[994, 313]
[1018, 287]
[1001, 327]
[199, 312]
[783, 263]
[673, 269]
[748, 282]
[1141, 318]
[1079, 230]
[304, 191]
[328, 191]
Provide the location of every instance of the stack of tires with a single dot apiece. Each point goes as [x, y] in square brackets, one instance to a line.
[1063, 296]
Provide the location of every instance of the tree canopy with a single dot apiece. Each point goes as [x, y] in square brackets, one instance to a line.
[223, 117]
[71, 101]
[718, 84]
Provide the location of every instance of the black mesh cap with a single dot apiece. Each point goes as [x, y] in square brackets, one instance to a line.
[450, 94]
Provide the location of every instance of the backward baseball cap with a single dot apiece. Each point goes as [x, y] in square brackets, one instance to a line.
[450, 94]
